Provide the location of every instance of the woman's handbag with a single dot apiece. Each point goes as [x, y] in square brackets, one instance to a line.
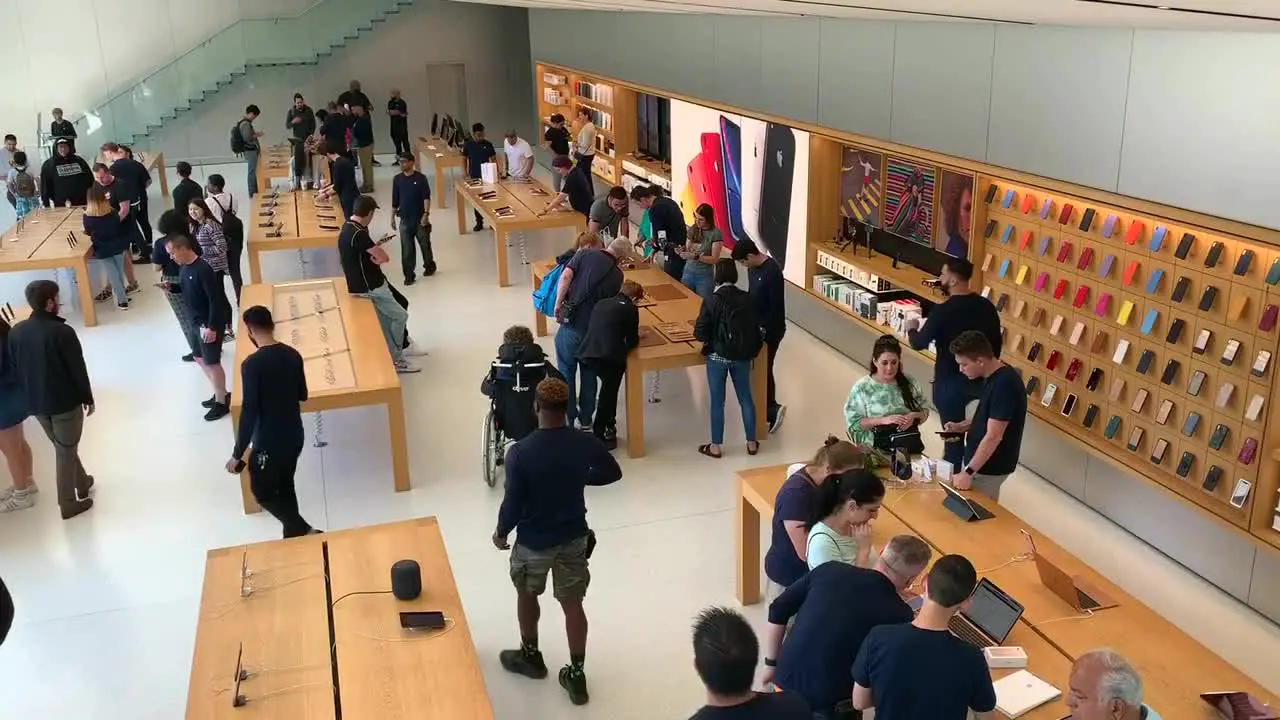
[889, 437]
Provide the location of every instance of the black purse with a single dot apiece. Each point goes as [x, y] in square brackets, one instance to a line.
[889, 438]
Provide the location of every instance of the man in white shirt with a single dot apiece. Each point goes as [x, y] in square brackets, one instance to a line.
[519, 155]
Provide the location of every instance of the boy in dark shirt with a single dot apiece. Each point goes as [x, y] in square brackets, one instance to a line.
[411, 209]
[767, 292]
[209, 311]
[725, 652]
[575, 188]
[556, 139]
[993, 438]
[273, 386]
[919, 670]
[342, 175]
[478, 151]
[547, 474]
[187, 189]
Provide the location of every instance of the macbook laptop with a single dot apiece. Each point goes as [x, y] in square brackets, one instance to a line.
[1022, 692]
[1238, 706]
[1074, 590]
[990, 617]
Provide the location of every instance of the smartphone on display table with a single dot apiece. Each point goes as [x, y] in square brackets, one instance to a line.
[731, 147]
[422, 620]
[714, 176]
[775, 190]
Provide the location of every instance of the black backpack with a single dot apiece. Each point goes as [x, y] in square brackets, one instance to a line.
[237, 140]
[737, 333]
[232, 227]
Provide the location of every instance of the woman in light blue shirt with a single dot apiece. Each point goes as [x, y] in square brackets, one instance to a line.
[841, 527]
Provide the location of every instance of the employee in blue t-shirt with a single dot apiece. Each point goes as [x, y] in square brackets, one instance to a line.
[478, 151]
[411, 210]
[919, 670]
[993, 438]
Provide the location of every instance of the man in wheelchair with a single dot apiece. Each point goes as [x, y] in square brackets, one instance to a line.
[521, 364]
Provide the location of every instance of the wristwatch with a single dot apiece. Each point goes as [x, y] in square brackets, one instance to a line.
[968, 470]
[770, 662]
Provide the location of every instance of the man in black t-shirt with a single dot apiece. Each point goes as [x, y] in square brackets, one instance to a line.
[398, 109]
[919, 670]
[354, 97]
[725, 652]
[273, 386]
[209, 311]
[137, 179]
[362, 260]
[666, 222]
[575, 188]
[963, 310]
[342, 176]
[362, 143]
[478, 151]
[556, 139]
[993, 438]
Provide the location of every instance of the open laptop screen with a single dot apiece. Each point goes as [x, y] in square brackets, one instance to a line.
[993, 611]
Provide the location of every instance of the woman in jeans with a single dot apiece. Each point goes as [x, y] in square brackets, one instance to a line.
[213, 243]
[728, 308]
[109, 239]
[702, 252]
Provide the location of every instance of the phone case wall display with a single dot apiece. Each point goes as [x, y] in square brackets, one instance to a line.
[1151, 340]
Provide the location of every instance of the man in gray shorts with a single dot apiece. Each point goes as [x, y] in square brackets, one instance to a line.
[544, 503]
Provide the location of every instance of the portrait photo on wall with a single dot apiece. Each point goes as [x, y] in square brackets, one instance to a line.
[862, 185]
[908, 201]
[754, 175]
[955, 213]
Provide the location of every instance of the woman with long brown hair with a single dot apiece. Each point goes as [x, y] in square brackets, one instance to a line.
[885, 402]
[110, 241]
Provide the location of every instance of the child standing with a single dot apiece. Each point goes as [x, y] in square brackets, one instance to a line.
[23, 186]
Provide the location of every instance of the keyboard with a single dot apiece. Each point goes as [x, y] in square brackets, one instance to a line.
[1086, 602]
[968, 633]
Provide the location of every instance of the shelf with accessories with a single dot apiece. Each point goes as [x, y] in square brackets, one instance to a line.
[613, 109]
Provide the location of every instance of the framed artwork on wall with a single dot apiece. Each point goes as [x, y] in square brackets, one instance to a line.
[909, 197]
[862, 186]
[955, 213]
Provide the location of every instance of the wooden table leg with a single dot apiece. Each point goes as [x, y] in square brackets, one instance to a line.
[748, 546]
[164, 179]
[500, 249]
[255, 266]
[441, 195]
[399, 444]
[760, 392]
[539, 320]
[635, 408]
[462, 213]
[250, 503]
[85, 291]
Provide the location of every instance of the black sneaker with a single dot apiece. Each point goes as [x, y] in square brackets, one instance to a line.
[213, 401]
[574, 681]
[75, 508]
[478, 227]
[217, 412]
[520, 662]
[429, 270]
[409, 280]
[609, 437]
[188, 358]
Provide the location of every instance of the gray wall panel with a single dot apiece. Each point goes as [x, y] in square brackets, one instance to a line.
[1055, 91]
[942, 87]
[855, 74]
[1051, 456]
[738, 61]
[1264, 593]
[790, 70]
[1200, 131]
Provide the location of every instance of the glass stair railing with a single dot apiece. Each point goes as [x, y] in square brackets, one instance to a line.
[142, 107]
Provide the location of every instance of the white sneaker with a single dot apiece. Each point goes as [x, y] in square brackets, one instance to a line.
[18, 500]
[8, 492]
[404, 367]
[414, 350]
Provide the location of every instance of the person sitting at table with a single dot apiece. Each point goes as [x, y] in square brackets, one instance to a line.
[702, 253]
[841, 519]
[1105, 686]
[784, 562]
[729, 330]
[612, 333]
[919, 670]
[834, 607]
[886, 402]
[725, 652]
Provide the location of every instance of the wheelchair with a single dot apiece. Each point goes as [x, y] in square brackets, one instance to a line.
[510, 387]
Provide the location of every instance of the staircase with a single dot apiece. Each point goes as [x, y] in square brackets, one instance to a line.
[139, 109]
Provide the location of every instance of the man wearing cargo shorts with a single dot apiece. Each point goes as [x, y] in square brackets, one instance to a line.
[547, 473]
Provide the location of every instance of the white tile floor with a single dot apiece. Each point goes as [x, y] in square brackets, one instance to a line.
[107, 603]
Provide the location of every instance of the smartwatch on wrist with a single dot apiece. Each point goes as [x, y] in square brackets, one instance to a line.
[968, 469]
[770, 662]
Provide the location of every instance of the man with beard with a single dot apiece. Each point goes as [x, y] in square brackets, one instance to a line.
[301, 122]
[65, 178]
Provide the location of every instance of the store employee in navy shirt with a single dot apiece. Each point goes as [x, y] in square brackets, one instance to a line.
[993, 438]
[411, 209]
[766, 290]
[478, 151]
[920, 671]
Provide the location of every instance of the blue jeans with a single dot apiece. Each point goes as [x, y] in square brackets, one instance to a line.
[251, 163]
[391, 317]
[951, 394]
[698, 280]
[114, 267]
[568, 341]
[718, 370]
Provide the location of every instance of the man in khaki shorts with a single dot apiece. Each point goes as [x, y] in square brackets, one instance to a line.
[547, 472]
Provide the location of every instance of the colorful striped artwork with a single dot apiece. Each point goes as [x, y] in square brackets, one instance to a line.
[862, 185]
[909, 200]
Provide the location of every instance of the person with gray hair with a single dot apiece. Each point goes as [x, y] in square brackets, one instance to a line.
[835, 606]
[1105, 686]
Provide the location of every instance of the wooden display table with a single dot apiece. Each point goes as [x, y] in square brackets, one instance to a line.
[1175, 668]
[43, 245]
[525, 199]
[345, 357]
[443, 158]
[296, 645]
[297, 223]
[273, 164]
[666, 301]
[154, 163]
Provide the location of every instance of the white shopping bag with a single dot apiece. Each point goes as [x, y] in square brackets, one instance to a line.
[489, 173]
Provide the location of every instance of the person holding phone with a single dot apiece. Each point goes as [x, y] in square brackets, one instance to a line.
[666, 223]
[993, 438]
[702, 252]
[886, 402]
[209, 311]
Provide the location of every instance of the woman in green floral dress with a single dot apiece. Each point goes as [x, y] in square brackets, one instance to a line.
[885, 398]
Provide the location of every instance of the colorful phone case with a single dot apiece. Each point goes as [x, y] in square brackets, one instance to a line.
[1099, 342]
[1034, 351]
[1190, 424]
[1201, 345]
[986, 262]
[1002, 301]
[989, 230]
[1044, 244]
[1109, 226]
[1026, 240]
[1135, 439]
[1180, 289]
[1196, 384]
[1086, 221]
[1064, 251]
[1268, 321]
[1149, 321]
[1060, 289]
[1107, 263]
[1184, 246]
[1153, 282]
[1273, 275]
[1037, 317]
[1004, 267]
[1130, 272]
[1219, 436]
[1065, 216]
[1113, 427]
[1184, 465]
[1028, 202]
[1104, 304]
[1041, 280]
[1243, 263]
[1122, 349]
[1086, 257]
[991, 193]
[1215, 254]
[1134, 234]
[1046, 208]
[1056, 326]
[1095, 379]
[1022, 274]
[1076, 333]
[731, 148]
[1175, 330]
[1247, 451]
[1008, 199]
[1007, 234]
[1052, 362]
[1073, 369]
[1126, 309]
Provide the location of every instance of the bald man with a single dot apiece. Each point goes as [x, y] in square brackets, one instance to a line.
[1104, 686]
[398, 110]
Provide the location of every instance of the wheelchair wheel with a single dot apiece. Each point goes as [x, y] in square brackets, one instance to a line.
[491, 450]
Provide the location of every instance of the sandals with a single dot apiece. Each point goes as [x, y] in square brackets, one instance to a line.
[706, 450]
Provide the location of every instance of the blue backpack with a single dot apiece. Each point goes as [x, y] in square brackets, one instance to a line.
[544, 298]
